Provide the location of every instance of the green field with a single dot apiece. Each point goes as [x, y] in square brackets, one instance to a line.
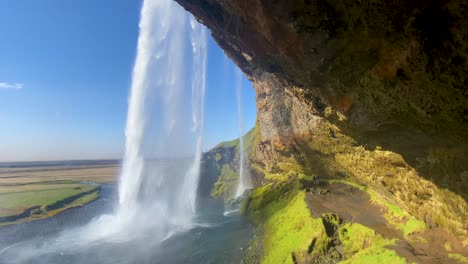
[34, 193]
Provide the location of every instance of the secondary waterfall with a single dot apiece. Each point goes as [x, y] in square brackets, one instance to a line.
[244, 181]
[161, 165]
[160, 172]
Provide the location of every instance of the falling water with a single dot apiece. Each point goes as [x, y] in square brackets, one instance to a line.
[160, 173]
[243, 176]
[165, 118]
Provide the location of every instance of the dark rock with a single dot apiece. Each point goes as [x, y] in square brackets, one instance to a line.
[388, 75]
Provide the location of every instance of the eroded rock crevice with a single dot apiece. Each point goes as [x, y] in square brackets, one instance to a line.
[372, 92]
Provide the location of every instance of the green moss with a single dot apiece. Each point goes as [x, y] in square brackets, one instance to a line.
[356, 237]
[362, 245]
[396, 216]
[413, 225]
[262, 197]
[374, 255]
[249, 138]
[458, 257]
[289, 229]
[228, 144]
[226, 184]
[226, 157]
[448, 246]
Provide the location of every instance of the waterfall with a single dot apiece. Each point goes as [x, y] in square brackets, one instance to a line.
[244, 181]
[161, 165]
[163, 148]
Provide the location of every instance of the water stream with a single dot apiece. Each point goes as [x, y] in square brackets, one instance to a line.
[165, 119]
[155, 218]
[244, 178]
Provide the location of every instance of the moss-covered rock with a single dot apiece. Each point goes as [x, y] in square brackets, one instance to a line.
[289, 234]
[220, 167]
[373, 91]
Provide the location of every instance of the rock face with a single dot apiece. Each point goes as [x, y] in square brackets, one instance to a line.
[374, 91]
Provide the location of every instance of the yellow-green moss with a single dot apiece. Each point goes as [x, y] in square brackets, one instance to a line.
[448, 246]
[413, 225]
[458, 257]
[374, 255]
[262, 197]
[396, 216]
[289, 229]
[226, 184]
[362, 245]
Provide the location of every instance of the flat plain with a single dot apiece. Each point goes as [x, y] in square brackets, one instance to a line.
[35, 192]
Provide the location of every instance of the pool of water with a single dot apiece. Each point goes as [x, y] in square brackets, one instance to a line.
[217, 238]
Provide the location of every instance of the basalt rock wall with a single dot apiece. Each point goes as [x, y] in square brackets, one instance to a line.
[375, 91]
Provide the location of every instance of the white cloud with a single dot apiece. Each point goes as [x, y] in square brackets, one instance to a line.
[16, 86]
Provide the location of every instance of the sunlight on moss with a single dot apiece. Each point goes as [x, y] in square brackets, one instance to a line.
[362, 245]
[226, 184]
[458, 257]
[289, 229]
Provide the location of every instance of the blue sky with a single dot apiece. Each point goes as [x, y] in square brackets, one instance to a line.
[65, 73]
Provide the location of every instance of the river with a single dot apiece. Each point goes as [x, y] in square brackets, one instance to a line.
[216, 238]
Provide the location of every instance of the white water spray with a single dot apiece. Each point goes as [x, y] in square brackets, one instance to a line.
[244, 179]
[164, 135]
[160, 173]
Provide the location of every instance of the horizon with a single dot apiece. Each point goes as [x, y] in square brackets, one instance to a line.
[65, 77]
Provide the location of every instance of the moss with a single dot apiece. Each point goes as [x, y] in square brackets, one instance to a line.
[226, 184]
[413, 225]
[262, 197]
[396, 216]
[448, 246]
[228, 144]
[362, 245]
[289, 229]
[218, 157]
[458, 257]
[224, 165]
[373, 255]
[391, 175]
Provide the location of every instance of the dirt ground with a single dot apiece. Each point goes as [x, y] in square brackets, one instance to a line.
[354, 205]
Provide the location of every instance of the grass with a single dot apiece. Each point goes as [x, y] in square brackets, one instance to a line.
[227, 162]
[413, 225]
[373, 255]
[291, 234]
[284, 218]
[38, 195]
[48, 189]
[396, 216]
[225, 186]
[408, 182]
[289, 229]
[84, 200]
[458, 257]
[362, 245]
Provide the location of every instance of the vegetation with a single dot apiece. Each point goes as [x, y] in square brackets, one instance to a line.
[227, 159]
[22, 197]
[458, 257]
[290, 234]
[35, 193]
[225, 186]
[289, 229]
[363, 245]
[396, 216]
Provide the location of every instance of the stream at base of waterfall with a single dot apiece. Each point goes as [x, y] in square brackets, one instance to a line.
[154, 216]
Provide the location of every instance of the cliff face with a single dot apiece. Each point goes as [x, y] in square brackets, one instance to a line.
[372, 91]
